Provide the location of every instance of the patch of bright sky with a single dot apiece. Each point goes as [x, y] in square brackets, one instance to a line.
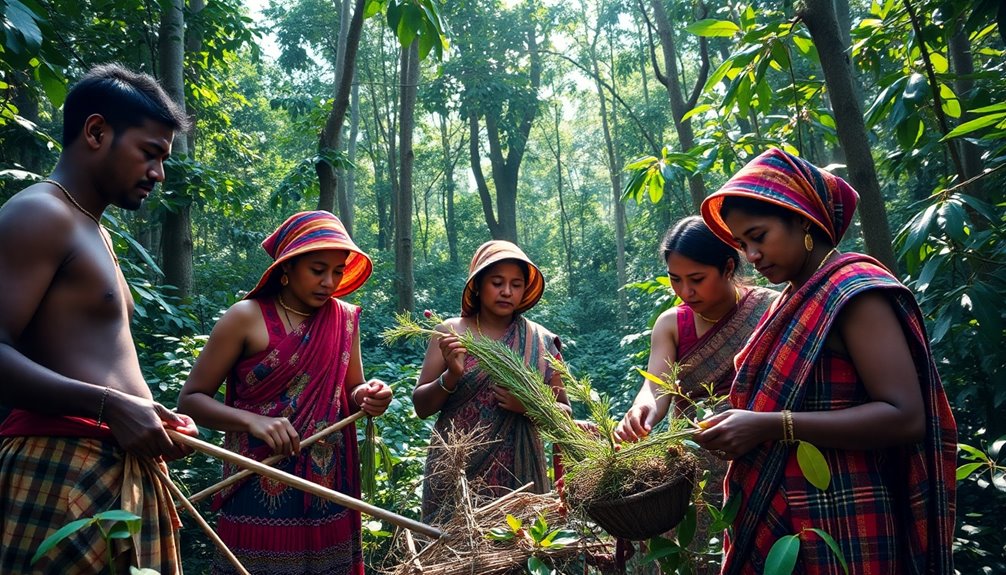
[267, 41]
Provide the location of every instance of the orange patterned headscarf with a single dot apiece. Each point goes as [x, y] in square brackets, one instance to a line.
[493, 252]
[308, 232]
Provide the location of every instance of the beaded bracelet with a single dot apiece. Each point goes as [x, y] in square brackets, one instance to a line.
[101, 406]
[440, 382]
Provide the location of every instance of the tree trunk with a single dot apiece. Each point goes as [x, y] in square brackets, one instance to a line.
[686, 137]
[615, 178]
[403, 226]
[349, 176]
[565, 232]
[331, 134]
[450, 225]
[176, 241]
[819, 16]
[963, 64]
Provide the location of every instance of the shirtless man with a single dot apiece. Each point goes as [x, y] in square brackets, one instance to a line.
[84, 428]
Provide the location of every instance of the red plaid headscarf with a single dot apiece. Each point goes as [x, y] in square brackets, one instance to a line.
[793, 183]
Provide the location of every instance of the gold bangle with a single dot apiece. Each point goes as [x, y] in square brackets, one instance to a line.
[440, 382]
[788, 435]
[101, 406]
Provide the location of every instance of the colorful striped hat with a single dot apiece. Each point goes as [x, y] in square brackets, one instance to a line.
[793, 183]
[308, 232]
[493, 252]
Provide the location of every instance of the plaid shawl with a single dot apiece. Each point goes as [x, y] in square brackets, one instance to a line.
[773, 374]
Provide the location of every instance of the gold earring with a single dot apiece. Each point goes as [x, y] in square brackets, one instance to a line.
[284, 280]
[808, 241]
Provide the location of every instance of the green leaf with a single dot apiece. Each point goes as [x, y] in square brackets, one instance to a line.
[561, 538]
[500, 534]
[1001, 107]
[686, 529]
[813, 465]
[975, 125]
[372, 7]
[24, 21]
[967, 469]
[713, 28]
[514, 523]
[539, 529]
[537, 566]
[660, 547]
[939, 61]
[650, 376]
[782, 556]
[832, 545]
[695, 111]
[64, 532]
[951, 105]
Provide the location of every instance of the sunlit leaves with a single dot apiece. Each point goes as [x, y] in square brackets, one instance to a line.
[713, 28]
[813, 465]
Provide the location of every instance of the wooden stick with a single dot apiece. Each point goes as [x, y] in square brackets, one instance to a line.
[273, 459]
[499, 502]
[304, 485]
[177, 494]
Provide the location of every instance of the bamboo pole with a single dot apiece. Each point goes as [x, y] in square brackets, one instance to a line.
[273, 459]
[177, 494]
[304, 485]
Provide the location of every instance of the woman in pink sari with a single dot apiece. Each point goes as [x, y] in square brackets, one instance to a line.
[290, 353]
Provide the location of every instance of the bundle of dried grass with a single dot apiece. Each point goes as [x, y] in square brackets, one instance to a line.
[467, 547]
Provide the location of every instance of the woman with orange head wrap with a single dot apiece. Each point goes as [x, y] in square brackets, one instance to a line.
[290, 353]
[841, 360]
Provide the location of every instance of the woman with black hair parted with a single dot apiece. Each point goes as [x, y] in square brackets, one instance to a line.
[502, 284]
[702, 334]
[841, 360]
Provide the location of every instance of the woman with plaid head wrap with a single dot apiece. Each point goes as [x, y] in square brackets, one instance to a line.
[290, 353]
[841, 360]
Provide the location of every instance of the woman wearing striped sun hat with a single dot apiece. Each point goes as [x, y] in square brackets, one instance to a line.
[841, 360]
[502, 284]
[290, 353]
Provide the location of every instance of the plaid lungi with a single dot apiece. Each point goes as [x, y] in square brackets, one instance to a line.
[47, 482]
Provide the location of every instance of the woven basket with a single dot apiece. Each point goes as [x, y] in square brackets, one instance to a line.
[648, 513]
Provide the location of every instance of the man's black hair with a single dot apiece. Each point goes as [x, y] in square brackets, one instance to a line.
[124, 98]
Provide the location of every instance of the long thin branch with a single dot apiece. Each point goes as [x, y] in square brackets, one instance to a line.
[653, 50]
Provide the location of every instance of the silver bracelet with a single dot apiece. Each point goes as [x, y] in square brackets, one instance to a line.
[440, 382]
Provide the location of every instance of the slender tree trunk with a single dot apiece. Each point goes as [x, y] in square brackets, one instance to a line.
[565, 232]
[342, 196]
[964, 67]
[331, 134]
[403, 236]
[819, 16]
[614, 177]
[177, 232]
[350, 175]
[450, 225]
[686, 137]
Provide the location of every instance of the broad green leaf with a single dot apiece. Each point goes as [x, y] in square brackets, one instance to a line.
[23, 20]
[119, 530]
[1001, 107]
[539, 529]
[560, 538]
[967, 469]
[64, 532]
[833, 546]
[641, 163]
[655, 186]
[972, 452]
[695, 111]
[951, 105]
[660, 547]
[718, 74]
[537, 566]
[118, 515]
[500, 534]
[514, 523]
[975, 125]
[782, 556]
[713, 28]
[813, 465]
[686, 529]
[939, 61]
[372, 7]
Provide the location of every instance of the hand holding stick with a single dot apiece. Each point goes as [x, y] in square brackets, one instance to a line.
[304, 485]
[273, 459]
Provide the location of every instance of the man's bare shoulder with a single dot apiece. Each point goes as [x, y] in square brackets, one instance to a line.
[35, 218]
